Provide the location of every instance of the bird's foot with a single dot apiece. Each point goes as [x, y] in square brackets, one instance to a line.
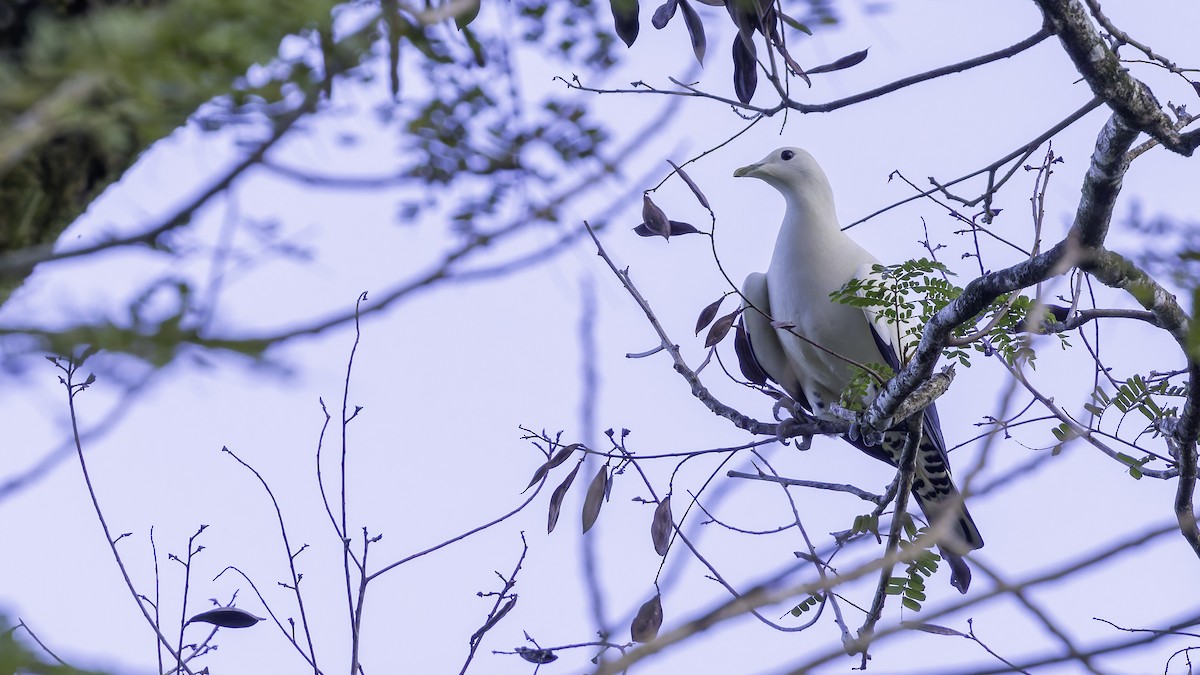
[781, 404]
[870, 438]
[788, 431]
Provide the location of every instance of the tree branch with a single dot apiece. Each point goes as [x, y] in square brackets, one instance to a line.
[1100, 188]
[1101, 68]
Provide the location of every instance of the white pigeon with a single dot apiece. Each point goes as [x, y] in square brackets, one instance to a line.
[814, 258]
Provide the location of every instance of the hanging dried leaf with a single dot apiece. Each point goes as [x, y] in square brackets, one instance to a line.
[938, 630]
[494, 619]
[595, 498]
[747, 362]
[227, 617]
[663, 14]
[841, 64]
[654, 218]
[468, 15]
[558, 458]
[745, 69]
[676, 228]
[1195, 84]
[647, 621]
[537, 476]
[795, 24]
[721, 327]
[708, 314]
[695, 188]
[745, 17]
[625, 19]
[660, 527]
[562, 455]
[556, 499]
[787, 57]
[695, 29]
[539, 656]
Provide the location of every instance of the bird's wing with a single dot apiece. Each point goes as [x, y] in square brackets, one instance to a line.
[894, 341]
[765, 347]
[934, 464]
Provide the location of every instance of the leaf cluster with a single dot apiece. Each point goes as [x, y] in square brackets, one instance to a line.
[909, 294]
[1141, 394]
[906, 295]
[911, 586]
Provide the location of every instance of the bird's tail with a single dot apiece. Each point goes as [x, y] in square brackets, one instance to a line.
[963, 535]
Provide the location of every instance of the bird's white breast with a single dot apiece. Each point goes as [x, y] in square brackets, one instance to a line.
[804, 271]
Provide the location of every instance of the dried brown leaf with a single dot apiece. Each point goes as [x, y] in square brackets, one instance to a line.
[938, 630]
[495, 618]
[677, 228]
[720, 328]
[227, 617]
[537, 476]
[708, 314]
[654, 218]
[695, 29]
[691, 184]
[841, 64]
[558, 458]
[648, 620]
[745, 68]
[625, 19]
[562, 455]
[795, 24]
[468, 15]
[539, 656]
[595, 498]
[663, 14]
[661, 526]
[556, 499]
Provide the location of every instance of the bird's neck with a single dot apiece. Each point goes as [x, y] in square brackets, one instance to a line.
[810, 227]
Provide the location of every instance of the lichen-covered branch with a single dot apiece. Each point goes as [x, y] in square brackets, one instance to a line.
[1101, 186]
[1101, 68]
[1083, 248]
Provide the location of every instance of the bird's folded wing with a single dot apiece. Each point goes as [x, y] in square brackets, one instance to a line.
[897, 343]
[764, 341]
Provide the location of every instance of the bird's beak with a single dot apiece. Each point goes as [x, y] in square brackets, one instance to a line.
[747, 170]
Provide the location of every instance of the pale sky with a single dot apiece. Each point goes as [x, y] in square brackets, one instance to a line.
[447, 377]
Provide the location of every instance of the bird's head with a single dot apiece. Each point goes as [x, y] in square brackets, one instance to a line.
[787, 170]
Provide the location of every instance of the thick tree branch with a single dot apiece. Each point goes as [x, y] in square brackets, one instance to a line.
[1083, 247]
[1101, 186]
[787, 103]
[1101, 68]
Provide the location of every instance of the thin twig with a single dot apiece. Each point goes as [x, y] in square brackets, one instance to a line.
[70, 368]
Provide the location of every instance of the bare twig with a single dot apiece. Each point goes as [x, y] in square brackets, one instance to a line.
[70, 368]
[311, 656]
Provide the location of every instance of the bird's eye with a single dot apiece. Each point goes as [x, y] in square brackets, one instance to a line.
[787, 155]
